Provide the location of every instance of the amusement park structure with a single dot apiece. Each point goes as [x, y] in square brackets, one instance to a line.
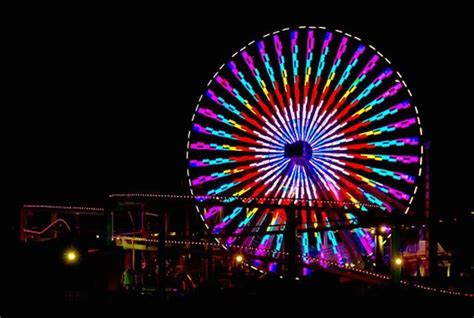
[305, 154]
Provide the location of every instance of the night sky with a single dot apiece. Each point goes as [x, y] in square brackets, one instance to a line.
[103, 99]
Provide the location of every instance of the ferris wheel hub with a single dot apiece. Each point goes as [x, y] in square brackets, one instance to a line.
[299, 152]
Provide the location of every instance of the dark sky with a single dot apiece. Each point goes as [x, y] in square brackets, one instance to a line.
[103, 98]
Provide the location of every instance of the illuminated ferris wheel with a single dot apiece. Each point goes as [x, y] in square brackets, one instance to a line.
[304, 114]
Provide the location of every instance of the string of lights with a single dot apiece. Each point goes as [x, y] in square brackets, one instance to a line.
[62, 207]
[244, 199]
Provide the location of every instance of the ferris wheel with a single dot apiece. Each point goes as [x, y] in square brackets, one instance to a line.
[304, 113]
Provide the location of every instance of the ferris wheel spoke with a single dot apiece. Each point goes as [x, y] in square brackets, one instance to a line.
[366, 92]
[220, 174]
[285, 117]
[352, 192]
[256, 74]
[366, 240]
[321, 65]
[270, 72]
[255, 138]
[345, 75]
[313, 119]
[349, 244]
[226, 220]
[260, 221]
[293, 189]
[359, 176]
[263, 146]
[308, 65]
[265, 171]
[283, 132]
[232, 109]
[234, 92]
[206, 162]
[326, 181]
[363, 168]
[359, 79]
[222, 102]
[198, 146]
[332, 73]
[275, 224]
[255, 141]
[340, 117]
[248, 86]
[216, 116]
[281, 63]
[322, 135]
[288, 111]
[381, 115]
[322, 131]
[405, 159]
[403, 124]
[242, 225]
[295, 66]
[321, 124]
[208, 113]
[392, 91]
[390, 128]
[249, 182]
[384, 144]
[388, 112]
[278, 131]
[395, 175]
[285, 184]
[333, 182]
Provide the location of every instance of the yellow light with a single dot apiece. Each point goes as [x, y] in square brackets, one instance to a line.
[239, 258]
[398, 261]
[71, 256]
[383, 229]
[372, 231]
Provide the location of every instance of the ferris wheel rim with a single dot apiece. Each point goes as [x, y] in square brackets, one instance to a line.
[249, 45]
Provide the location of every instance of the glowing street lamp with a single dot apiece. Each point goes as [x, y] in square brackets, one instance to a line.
[71, 256]
[398, 261]
[239, 258]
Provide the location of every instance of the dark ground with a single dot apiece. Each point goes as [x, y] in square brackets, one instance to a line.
[44, 284]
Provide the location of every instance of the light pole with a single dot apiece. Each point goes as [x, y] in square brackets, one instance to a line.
[395, 259]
